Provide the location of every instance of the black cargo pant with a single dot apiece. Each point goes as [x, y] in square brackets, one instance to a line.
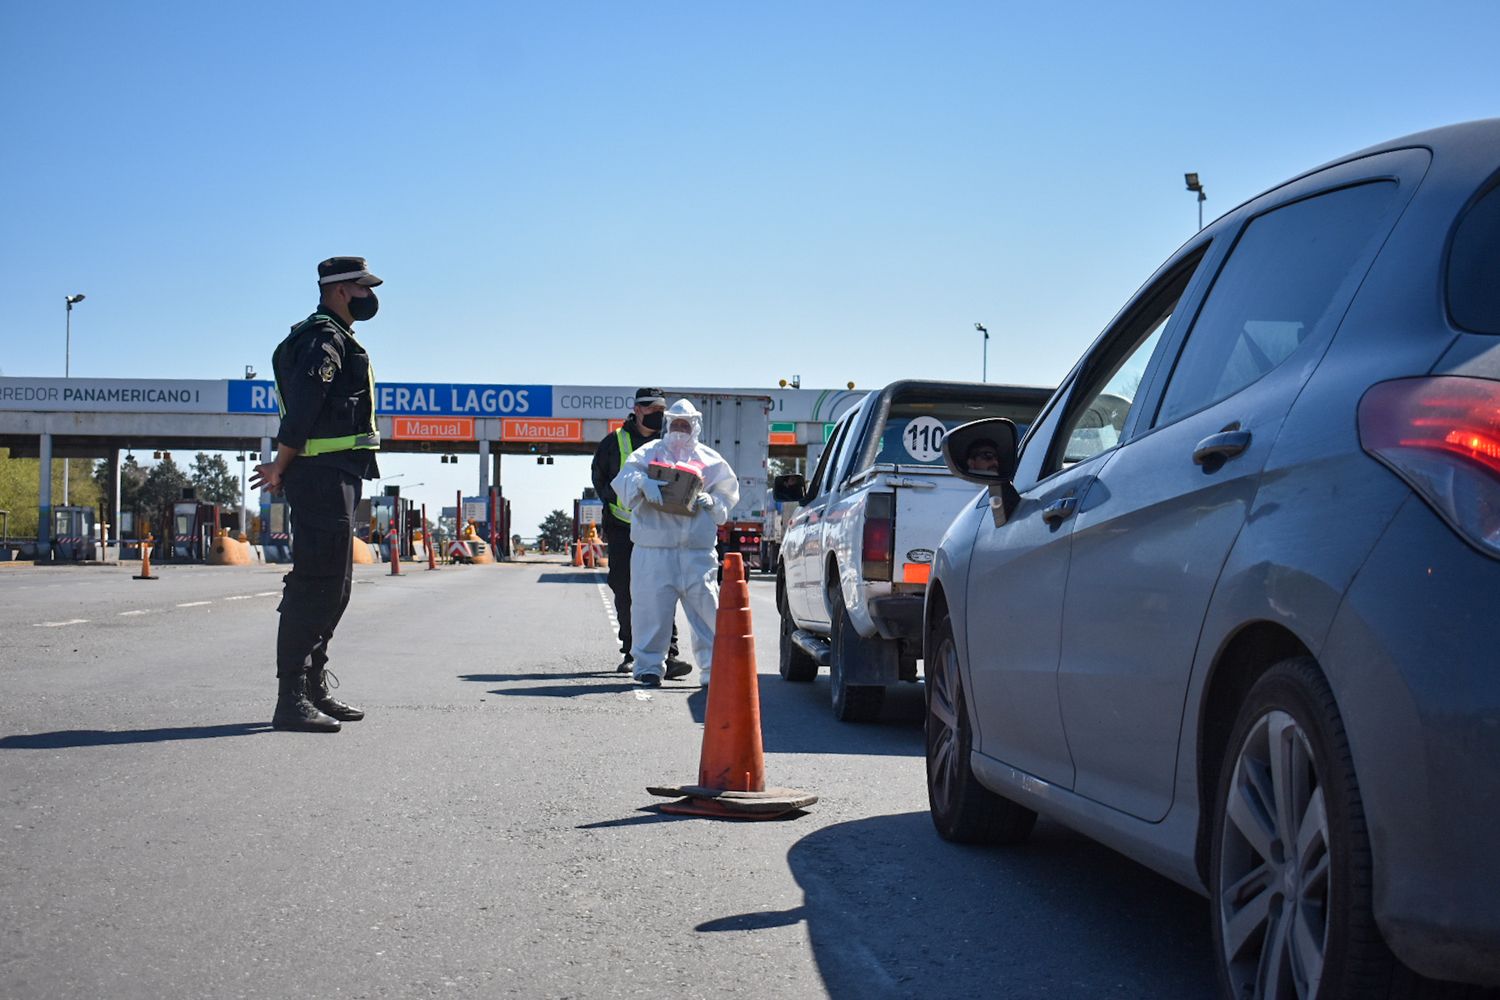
[620, 547]
[316, 591]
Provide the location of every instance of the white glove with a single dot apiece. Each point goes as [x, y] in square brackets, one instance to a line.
[716, 508]
[651, 490]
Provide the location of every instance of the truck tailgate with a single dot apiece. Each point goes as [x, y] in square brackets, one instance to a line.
[923, 514]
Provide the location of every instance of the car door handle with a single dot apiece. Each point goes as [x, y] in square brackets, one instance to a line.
[1059, 511]
[1221, 446]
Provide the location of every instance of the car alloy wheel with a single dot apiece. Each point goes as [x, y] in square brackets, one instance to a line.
[962, 809]
[944, 767]
[1274, 864]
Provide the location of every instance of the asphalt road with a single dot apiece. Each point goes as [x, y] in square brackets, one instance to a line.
[486, 830]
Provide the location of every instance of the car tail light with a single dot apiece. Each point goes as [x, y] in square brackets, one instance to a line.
[1442, 435]
[878, 551]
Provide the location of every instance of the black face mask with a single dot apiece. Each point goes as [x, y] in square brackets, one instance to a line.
[364, 308]
[652, 421]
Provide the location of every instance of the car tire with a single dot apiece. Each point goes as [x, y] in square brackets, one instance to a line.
[851, 702]
[1298, 923]
[794, 662]
[962, 809]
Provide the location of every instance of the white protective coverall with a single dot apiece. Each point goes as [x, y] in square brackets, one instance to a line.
[673, 558]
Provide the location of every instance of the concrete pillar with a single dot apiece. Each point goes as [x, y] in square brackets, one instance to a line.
[484, 468]
[114, 496]
[266, 455]
[44, 502]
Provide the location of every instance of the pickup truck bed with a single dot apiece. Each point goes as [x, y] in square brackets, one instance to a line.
[855, 557]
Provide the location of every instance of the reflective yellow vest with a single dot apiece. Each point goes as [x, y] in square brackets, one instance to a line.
[622, 438]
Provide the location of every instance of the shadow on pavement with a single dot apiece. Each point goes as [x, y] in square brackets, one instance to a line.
[644, 816]
[106, 737]
[567, 690]
[503, 678]
[798, 718]
[894, 911]
[582, 576]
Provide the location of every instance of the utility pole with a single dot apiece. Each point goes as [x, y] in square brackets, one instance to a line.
[984, 371]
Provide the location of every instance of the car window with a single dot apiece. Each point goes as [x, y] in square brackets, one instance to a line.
[1095, 418]
[914, 431]
[1473, 291]
[826, 460]
[1279, 288]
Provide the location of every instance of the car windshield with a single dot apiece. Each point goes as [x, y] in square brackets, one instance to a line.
[914, 432]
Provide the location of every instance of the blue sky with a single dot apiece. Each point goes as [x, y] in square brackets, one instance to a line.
[625, 193]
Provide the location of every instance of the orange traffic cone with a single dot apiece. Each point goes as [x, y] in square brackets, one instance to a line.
[577, 553]
[146, 559]
[732, 765]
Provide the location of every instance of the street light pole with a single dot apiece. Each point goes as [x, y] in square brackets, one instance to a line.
[1193, 184]
[984, 372]
[67, 371]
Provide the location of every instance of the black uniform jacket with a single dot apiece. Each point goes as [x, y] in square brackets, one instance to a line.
[323, 377]
[607, 466]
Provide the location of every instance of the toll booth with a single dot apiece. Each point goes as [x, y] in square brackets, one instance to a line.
[276, 531]
[392, 512]
[190, 530]
[73, 534]
[491, 517]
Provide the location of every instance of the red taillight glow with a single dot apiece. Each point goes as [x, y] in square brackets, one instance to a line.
[1451, 414]
[878, 549]
[1480, 447]
[1442, 435]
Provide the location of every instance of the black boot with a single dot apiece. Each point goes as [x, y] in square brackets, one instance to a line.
[295, 712]
[317, 693]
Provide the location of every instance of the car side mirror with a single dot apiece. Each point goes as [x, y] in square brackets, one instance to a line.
[789, 488]
[984, 452]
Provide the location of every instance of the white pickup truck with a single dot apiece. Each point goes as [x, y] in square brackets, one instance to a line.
[855, 557]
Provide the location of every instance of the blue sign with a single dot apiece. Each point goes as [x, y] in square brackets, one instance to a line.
[419, 399]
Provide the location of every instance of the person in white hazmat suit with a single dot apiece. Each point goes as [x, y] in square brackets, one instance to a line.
[673, 557]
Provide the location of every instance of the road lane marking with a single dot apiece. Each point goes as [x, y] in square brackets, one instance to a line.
[70, 621]
[142, 611]
[242, 597]
[266, 593]
[194, 604]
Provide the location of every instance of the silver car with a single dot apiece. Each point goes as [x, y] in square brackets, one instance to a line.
[1227, 607]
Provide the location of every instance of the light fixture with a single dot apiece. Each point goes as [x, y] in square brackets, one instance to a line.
[249, 372]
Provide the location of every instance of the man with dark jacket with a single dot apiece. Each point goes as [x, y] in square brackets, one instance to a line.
[643, 424]
[325, 448]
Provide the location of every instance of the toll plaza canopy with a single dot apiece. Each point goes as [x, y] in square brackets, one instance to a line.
[90, 417]
[50, 418]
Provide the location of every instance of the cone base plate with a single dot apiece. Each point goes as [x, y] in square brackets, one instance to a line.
[701, 801]
[145, 578]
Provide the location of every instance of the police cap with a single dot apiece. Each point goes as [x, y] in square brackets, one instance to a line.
[648, 396]
[336, 269]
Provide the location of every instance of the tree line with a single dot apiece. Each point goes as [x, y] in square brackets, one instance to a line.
[142, 488]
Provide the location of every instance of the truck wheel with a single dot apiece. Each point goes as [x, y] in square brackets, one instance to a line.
[1291, 871]
[962, 809]
[796, 666]
[851, 702]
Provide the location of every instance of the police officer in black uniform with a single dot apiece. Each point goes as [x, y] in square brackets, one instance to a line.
[643, 424]
[325, 448]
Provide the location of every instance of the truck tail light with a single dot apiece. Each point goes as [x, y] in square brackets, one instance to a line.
[1441, 434]
[878, 550]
